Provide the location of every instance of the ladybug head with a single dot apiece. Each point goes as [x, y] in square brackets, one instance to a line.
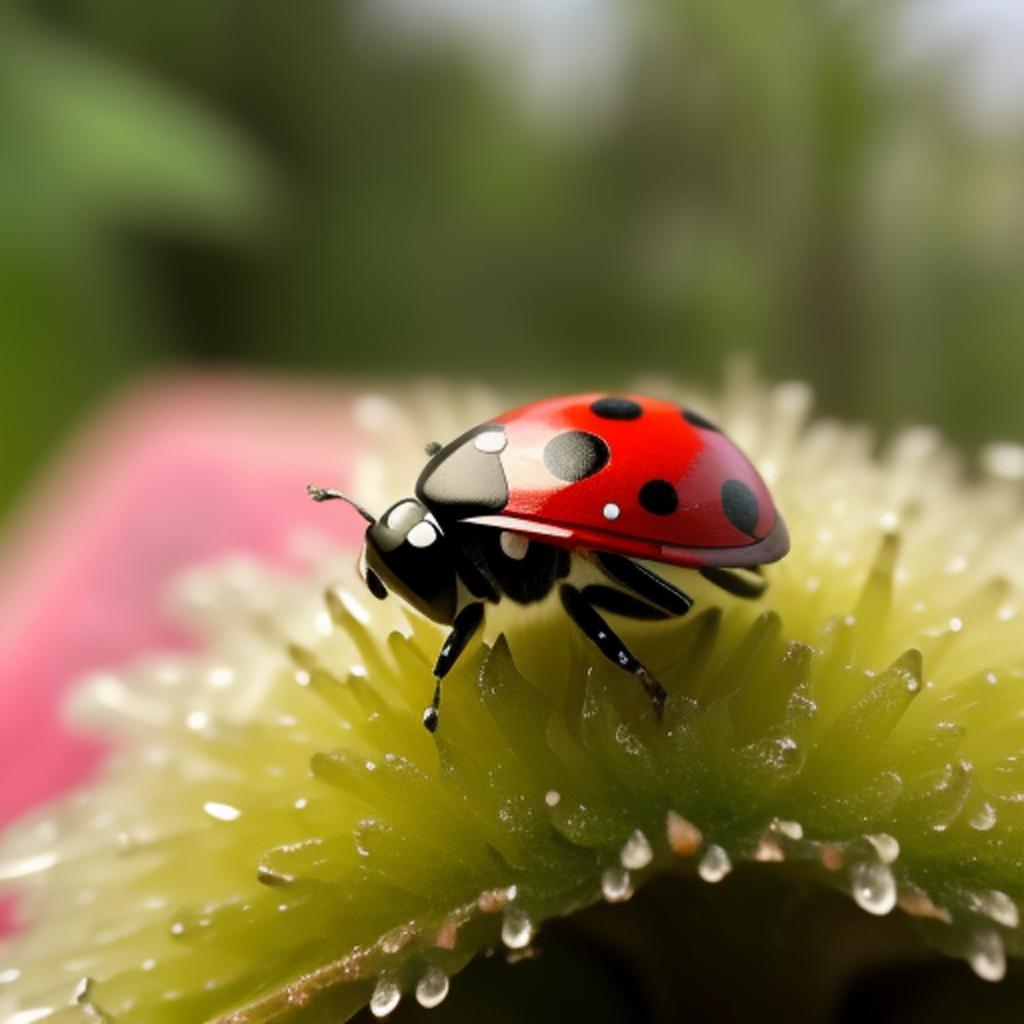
[405, 551]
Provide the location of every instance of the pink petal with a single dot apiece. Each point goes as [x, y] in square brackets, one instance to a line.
[179, 470]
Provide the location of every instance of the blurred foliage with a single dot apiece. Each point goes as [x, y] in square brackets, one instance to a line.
[308, 187]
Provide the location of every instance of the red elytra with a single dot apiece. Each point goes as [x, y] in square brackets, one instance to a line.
[662, 483]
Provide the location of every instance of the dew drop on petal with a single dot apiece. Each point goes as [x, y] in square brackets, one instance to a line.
[984, 818]
[517, 928]
[197, 720]
[222, 812]
[636, 853]
[616, 885]
[986, 955]
[714, 865]
[886, 846]
[386, 996]
[432, 988]
[997, 906]
[790, 829]
[874, 888]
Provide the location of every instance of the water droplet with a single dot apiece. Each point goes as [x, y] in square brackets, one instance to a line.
[616, 885]
[222, 812]
[886, 846]
[220, 676]
[790, 829]
[197, 721]
[432, 988]
[386, 996]
[636, 853]
[986, 955]
[996, 905]
[552, 797]
[517, 928]
[874, 888]
[984, 818]
[714, 865]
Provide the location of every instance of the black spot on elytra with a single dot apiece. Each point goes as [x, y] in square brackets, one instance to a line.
[659, 497]
[575, 455]
[696, 420]
[740, 506]
[616, 409]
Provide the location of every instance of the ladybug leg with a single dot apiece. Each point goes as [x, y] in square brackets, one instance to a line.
[466, 623]
[582, 612]
[649, 585]
[747, 583]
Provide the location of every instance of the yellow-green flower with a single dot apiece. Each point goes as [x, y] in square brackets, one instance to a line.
[278, 837]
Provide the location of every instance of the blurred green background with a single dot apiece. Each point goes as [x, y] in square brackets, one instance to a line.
[563, 192]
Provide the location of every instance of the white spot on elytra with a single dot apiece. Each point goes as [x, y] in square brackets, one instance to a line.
[612, 511]
[422, 535]
[515, 545]
[490, 442]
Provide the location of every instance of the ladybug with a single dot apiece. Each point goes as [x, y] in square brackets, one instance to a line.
[563, 496]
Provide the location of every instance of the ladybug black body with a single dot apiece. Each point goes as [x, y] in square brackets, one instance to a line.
[565, 494]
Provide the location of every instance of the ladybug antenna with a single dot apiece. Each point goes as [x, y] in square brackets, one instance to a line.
[330, 494]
